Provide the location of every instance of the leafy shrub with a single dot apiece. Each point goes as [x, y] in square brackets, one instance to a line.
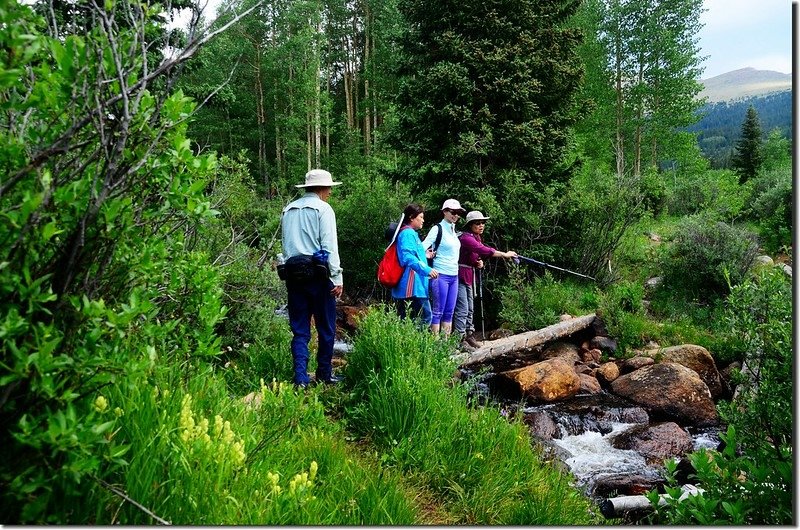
[771, 205]
[715, 193]
[242, 241]
[600, 208]
[706, 257]
[533, 304]
[622, 310]
[98, 280]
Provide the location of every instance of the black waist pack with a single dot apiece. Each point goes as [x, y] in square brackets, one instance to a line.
[300, 269]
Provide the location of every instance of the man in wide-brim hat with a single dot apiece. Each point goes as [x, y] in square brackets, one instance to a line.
[309, 231]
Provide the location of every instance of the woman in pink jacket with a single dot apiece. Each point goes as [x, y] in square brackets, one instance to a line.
[471, 257]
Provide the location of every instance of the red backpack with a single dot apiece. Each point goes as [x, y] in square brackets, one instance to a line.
[389, 269]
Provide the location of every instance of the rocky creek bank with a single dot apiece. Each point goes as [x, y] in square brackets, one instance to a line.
[573, 392]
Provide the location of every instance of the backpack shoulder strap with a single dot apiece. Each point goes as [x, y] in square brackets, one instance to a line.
[438, 241]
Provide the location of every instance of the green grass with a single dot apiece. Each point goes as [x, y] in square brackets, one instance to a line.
[202, 457]
[483, 468]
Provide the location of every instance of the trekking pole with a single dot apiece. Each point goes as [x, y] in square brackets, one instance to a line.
[480, 295]
[543, 264]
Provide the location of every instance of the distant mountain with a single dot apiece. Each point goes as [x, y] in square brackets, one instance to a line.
[744, 83]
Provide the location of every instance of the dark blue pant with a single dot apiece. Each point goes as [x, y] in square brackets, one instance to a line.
[307, 299]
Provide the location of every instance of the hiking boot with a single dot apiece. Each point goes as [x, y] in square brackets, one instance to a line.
[465, 346]
[472, 341]
[331, 380]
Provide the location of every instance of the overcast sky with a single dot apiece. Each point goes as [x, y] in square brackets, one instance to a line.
[737, 34]
[742, 33]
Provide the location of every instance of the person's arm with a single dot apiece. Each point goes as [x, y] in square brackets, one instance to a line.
[430, 238]
[329, 242]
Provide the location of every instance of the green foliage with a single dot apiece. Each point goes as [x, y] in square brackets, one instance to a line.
[485, 88]
[482, 466]
[751, 480]
[255, 342]
[714, 193]
[98, 281]
[770, 204]
[706, 258]
[368, 203]
[199, 457]
[600, 207]
[533, 302]
[622, 310]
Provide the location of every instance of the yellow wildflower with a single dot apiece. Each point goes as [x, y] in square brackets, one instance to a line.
[100, 404]
[118, 412]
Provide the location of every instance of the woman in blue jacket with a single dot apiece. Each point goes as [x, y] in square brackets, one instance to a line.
[412, 290]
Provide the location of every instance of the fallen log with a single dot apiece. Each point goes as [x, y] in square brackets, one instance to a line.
[618, 507]
[494, 349]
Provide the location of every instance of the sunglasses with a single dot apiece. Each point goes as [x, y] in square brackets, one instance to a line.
[454, 212]
[479, 222]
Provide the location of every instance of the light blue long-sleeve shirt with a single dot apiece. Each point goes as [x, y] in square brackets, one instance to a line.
[308, 224]
[446, 259]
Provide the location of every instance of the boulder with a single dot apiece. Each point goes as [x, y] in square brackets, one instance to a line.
[698, 359]
[589, 384]
[671, 390]
[565, 350]
[550, 380]
[625, 484]
[350, 315]
[787, 270]
[541, 425]
[656, 442]
[634, 363]
[604, 344]
[763, 260]
[607, 372]
[591, 356]
[653, 283]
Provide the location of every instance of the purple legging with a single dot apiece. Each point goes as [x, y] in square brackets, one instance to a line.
[445, 293]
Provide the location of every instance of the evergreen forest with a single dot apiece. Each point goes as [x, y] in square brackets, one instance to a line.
[146, 369]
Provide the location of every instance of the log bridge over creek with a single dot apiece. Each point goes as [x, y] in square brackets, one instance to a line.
[505, 350]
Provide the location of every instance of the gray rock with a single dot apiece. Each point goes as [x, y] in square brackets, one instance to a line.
[669, 390]
[656, 442]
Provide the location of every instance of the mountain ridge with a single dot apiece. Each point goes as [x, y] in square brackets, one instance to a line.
[743, 83]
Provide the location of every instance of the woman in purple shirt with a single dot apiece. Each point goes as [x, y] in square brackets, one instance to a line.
[471, 257]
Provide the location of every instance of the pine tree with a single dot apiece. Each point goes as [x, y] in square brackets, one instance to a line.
[486, 87]
[749, 154]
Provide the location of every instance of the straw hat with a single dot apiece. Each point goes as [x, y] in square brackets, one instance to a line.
[318, 177]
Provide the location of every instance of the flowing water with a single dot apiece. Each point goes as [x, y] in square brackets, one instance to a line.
[579, 433]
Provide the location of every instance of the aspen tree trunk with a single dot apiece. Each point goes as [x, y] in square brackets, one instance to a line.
[619, 146]
[262, 120]
[317, 102]
[367, 107]
[637, 139]
[347, 84]
[328, 118]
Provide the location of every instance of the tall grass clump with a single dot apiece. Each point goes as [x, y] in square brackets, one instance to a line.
[198, 457]
[484, 468]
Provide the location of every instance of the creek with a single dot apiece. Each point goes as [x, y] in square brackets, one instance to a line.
[580, 435]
